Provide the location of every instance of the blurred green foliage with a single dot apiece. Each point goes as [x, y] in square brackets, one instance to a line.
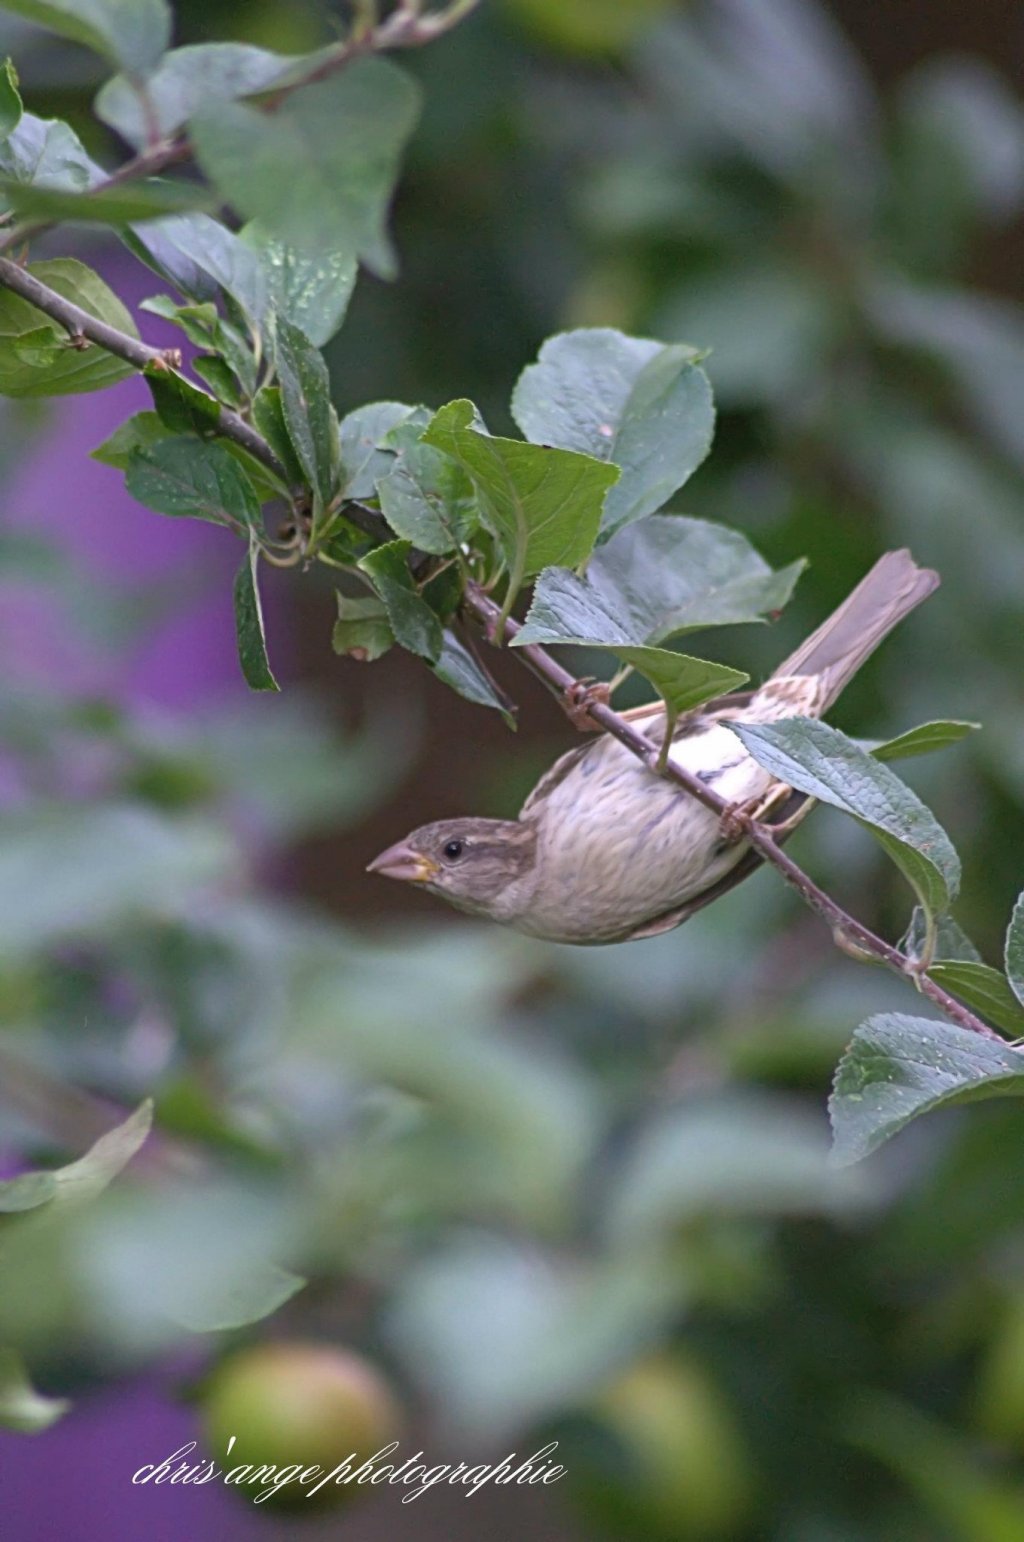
[553, 1191]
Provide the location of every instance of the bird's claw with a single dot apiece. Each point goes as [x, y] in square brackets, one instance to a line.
[578, 698]
[733, 821]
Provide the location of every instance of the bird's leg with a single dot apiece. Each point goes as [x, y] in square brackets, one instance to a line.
[738, 816]
[579, 697]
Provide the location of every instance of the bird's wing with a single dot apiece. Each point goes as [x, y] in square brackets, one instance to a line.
[555, 774]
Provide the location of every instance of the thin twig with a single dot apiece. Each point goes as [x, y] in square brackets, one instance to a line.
[845, 928]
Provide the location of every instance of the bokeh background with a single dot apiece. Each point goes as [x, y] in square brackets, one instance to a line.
[578, 1195]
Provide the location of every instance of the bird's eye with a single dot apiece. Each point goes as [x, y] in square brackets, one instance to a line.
[453, 850]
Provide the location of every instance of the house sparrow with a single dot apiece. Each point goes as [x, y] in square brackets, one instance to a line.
[604, 850]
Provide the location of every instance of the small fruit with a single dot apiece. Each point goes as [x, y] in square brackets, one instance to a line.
[298, 1405]
[684, 1472]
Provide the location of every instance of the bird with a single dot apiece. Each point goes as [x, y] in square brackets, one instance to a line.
[604, 849]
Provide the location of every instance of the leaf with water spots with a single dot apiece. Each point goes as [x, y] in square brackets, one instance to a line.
[899, 1067]
[644, 406]
[821, 761]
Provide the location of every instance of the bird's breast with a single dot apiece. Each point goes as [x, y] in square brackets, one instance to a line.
[618, 845]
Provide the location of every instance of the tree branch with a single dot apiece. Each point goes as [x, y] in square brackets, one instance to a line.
[408, 26]
[80, 324]
[760, 836]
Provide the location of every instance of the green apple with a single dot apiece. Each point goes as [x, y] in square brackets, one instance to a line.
[298, 1405]
[685, 1473]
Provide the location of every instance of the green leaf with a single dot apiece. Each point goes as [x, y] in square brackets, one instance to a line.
[413, 622]
[135, 433]
[60, 369]
[46, 153]
[186, 80]
[366, 454]
[22, 1408]
[132, 33]
[744, 1155]
[429, 500]
[102, 205]
[10, 100]
[254, 1292]
[268, 417]
[542, 506]
[510, 1335]
[189, 478]
[223, 338]
[820, 760]
[85, 1178]
[196, 321]
[984, 989]
[41, 348]
[898, 1067]
[1015, 950]
[362, 630]
[311, 290]
[661, 577]
[459, 669]
[644, 406]
[408, 430]
[265, 483]
[203, 259]
[681, 681]
[26, 1192]
[110, 1155]
[308, 414]
[923, 739]
[959, 1497]
[82, 871]
[946, 937]
[252, 642]
[204, 326]
[181, 406]
[221, 380]
[319, 172]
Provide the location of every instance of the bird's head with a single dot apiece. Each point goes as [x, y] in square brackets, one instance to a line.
[472, 863]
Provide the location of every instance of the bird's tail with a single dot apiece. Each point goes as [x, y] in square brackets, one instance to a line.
[835, 652]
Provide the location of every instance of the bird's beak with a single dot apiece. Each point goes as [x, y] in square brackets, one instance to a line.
[401, 861]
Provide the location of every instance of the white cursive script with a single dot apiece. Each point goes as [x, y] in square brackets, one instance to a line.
[267, 1478]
